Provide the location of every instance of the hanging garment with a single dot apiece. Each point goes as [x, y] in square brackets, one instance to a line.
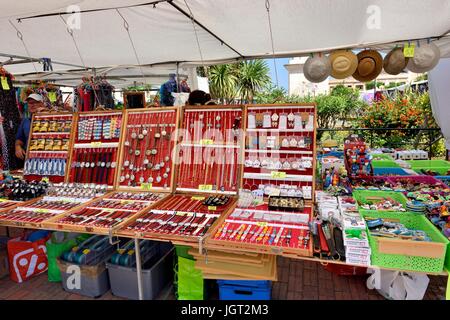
[10, 113]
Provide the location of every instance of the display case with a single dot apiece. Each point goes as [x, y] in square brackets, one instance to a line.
[49, 146]
[209, 151]
[95, 150]
[59, 199]
[262, 230]
[146, 160]
[105, 214]
[180, 218]
[280, 150]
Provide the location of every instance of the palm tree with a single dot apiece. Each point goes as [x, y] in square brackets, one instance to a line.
[253, 75]
[223, 82]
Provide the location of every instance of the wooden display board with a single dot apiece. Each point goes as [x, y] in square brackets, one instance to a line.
[50, 154]
[153, 112]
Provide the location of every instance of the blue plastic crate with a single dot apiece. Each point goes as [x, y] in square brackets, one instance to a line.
[444, 179]
[244, 290]
[390, 172]
[245, 283]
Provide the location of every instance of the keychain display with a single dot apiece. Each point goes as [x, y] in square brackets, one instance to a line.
[209, 151]
[358, 161]
[96, 148]
[48, 149]
[21, 190]
[280, 149]
[181, 215]
[107, 212]
[148, 148]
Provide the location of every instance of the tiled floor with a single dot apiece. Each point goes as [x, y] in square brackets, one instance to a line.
[297, 280]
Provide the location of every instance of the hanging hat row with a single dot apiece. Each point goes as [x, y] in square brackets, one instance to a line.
[368, 64]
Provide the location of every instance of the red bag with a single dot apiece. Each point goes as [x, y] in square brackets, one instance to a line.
[26, 258]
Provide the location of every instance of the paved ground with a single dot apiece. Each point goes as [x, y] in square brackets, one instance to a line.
[297, 280]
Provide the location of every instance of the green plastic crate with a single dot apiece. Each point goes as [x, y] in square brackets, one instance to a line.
[404, 262]
[440, 166]
[385, 164]
[362, 195]
[382, 156]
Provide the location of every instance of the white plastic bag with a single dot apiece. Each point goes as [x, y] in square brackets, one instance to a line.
[395, 285]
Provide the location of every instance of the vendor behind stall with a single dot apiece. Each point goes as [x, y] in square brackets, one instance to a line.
[35, 105]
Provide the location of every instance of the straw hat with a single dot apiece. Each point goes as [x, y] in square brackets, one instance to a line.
[370, 64]
[426, 57]
[395, 61]
[317, 68]
[343, 64]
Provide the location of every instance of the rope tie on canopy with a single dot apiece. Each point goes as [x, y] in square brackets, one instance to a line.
[191, 15]
[20, 36]
[126, 26]
[271, 40]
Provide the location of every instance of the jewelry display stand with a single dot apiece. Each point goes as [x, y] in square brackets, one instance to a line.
[49, 146]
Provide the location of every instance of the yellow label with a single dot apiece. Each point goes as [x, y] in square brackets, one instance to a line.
[86, 251]
[146, 186]
[206, 141]
[45, 179]
[277, 174]
[130, 252]
[96, 144]
[261, 224]
[212, 208]
[198, 198]
[205, 187]
[3, 200]
[75, 249]
[108, 210]
[408, 50]
[121, 251]
[52, 96]
[5, 84]
[125, 201]
[42, 210]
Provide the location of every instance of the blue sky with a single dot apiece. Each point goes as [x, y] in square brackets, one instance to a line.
[282, 72]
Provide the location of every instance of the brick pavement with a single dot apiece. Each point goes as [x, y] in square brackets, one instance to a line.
[298, 280]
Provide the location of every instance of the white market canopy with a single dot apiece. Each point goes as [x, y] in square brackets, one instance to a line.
[228, 30]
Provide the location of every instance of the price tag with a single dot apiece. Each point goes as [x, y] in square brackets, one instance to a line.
[278, 174]
[408, 50]
[146, 186]
[212, 208]
[96, 144]
[125, 201]
[45, 179]
[206, 141]
[109, 210]
[52, 96]
[5, 84]
[198, 198]
[130, 252]
[261, 224]
[86, 251]
[3, 200]
[205, 187]
[42, 210]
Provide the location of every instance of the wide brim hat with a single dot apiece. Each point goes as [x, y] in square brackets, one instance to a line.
[317, 68]
[343, 64]
[395, 61]
[370, 64]
[426, 57]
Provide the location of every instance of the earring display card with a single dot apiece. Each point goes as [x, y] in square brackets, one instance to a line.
[180, 217]
[104, 214]
[48, 147]
[280, 149]
[59, 199]
[96, 148]
[210, 150]
[265, 231]
[149, 140]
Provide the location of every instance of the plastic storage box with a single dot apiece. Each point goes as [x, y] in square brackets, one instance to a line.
[385, 164]
[389, 172]
[93, 282]
[244, 290]
[440, 166]
[156, 274]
